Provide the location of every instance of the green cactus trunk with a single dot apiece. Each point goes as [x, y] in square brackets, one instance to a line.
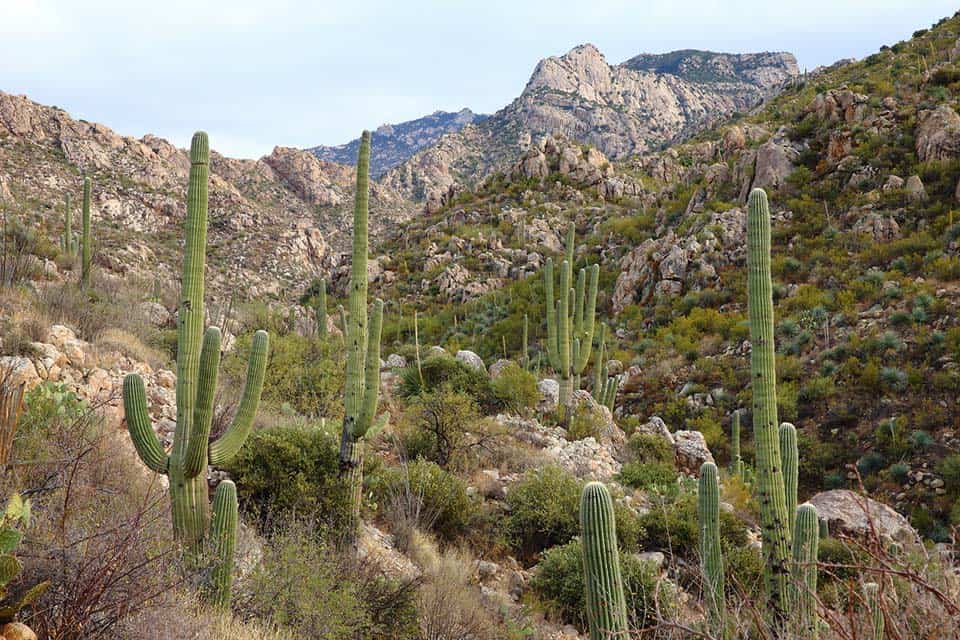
[363, 351]
[774, 519]
[789, 457]
[806, 542]
[85, 243]
[322, 310]
[606, 604]
[708, 510]
[68, 241]
[736, 459]
[871, 593]
[570, 322]
[525, 355]
[198, 360]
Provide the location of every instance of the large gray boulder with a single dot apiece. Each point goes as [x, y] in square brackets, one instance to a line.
[856, 515]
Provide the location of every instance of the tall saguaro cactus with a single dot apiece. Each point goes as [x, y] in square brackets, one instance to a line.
[570, 321]
[68, 241]
[708, 511]
[606, 604]
[774, 520]
[198, 361]
[86, 252]
[806, 543]
[363, 350]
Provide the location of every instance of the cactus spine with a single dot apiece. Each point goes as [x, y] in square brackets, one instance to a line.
[775, 534]
[322, 310]
[806, 542]
[606, 604]
[69, 243]
[363, 350]
[708, 511]
[737, 466]
[871, 593]
[198, 360]
[789, 457]
[85, 243]
[570, 321]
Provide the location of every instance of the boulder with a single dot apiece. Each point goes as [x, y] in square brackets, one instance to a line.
[691, 450]
[853, 514]
[916, 192]
[17, 631]
[880, 227]
[396, 361]
[774, 164]
[435, 351]
[498, 367]
[938, 134]
[19, 370]
[656, 426]
[471, 359]
[155, 313]
[549, 395]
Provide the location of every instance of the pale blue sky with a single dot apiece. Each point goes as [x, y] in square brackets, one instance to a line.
[258, 73]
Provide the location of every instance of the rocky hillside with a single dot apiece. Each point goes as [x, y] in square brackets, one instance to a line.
[395, 143]
[620, 109]
[275, 222]
[862, 163]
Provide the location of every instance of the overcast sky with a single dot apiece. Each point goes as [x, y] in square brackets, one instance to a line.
[259, 73]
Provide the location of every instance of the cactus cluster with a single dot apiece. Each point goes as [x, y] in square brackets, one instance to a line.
[570, 320]
[198, 360]
[363, 350]
[606, 604]
[85, 250]
[604, 385]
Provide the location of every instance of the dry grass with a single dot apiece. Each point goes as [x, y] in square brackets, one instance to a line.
[129, 345]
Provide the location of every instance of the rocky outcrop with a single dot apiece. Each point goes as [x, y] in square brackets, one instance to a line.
[938, 134]
[853, 514]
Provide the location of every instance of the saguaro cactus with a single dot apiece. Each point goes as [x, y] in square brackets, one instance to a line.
[570, 321]
[775, 534]
[604, 386]
[223, 535]
[322, 310]
[198, 361]
[789, 457]
[871, 593]
[737, 461]
[525, 355]
[69, 243]
[708, 510]
[85, 243]
[806, 542]
[363, 350]
[606, 604]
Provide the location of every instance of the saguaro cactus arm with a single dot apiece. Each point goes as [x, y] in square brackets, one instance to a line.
[138, 424]
[195, 461]
[789, 457]
[228, 445]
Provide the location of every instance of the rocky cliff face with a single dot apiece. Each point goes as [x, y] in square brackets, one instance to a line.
[623, 110]
[395, 143]
[274, 222]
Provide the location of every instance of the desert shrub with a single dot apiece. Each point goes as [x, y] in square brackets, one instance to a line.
[317, 591]
[673, 527]
[445, 370]
[516, 389]
[304, 372]
[287, 470]
[744, 569]
[441, 496]
[447, 602]
[949, 470]
[641, 475]
[545, 511]
[650, 448]
[559, 582]
[585, 423]
[442, 426]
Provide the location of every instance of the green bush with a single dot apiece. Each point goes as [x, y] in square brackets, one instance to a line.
[949, 469]
[447, 371]
[558, 581]
[438, 426]
[641, 475]
[291, 470]
[316, 591]
[585, 423]
[305, 373]
[442, 496]
[516, 389]
[673, 527]
[650, 448]
[544, 511]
